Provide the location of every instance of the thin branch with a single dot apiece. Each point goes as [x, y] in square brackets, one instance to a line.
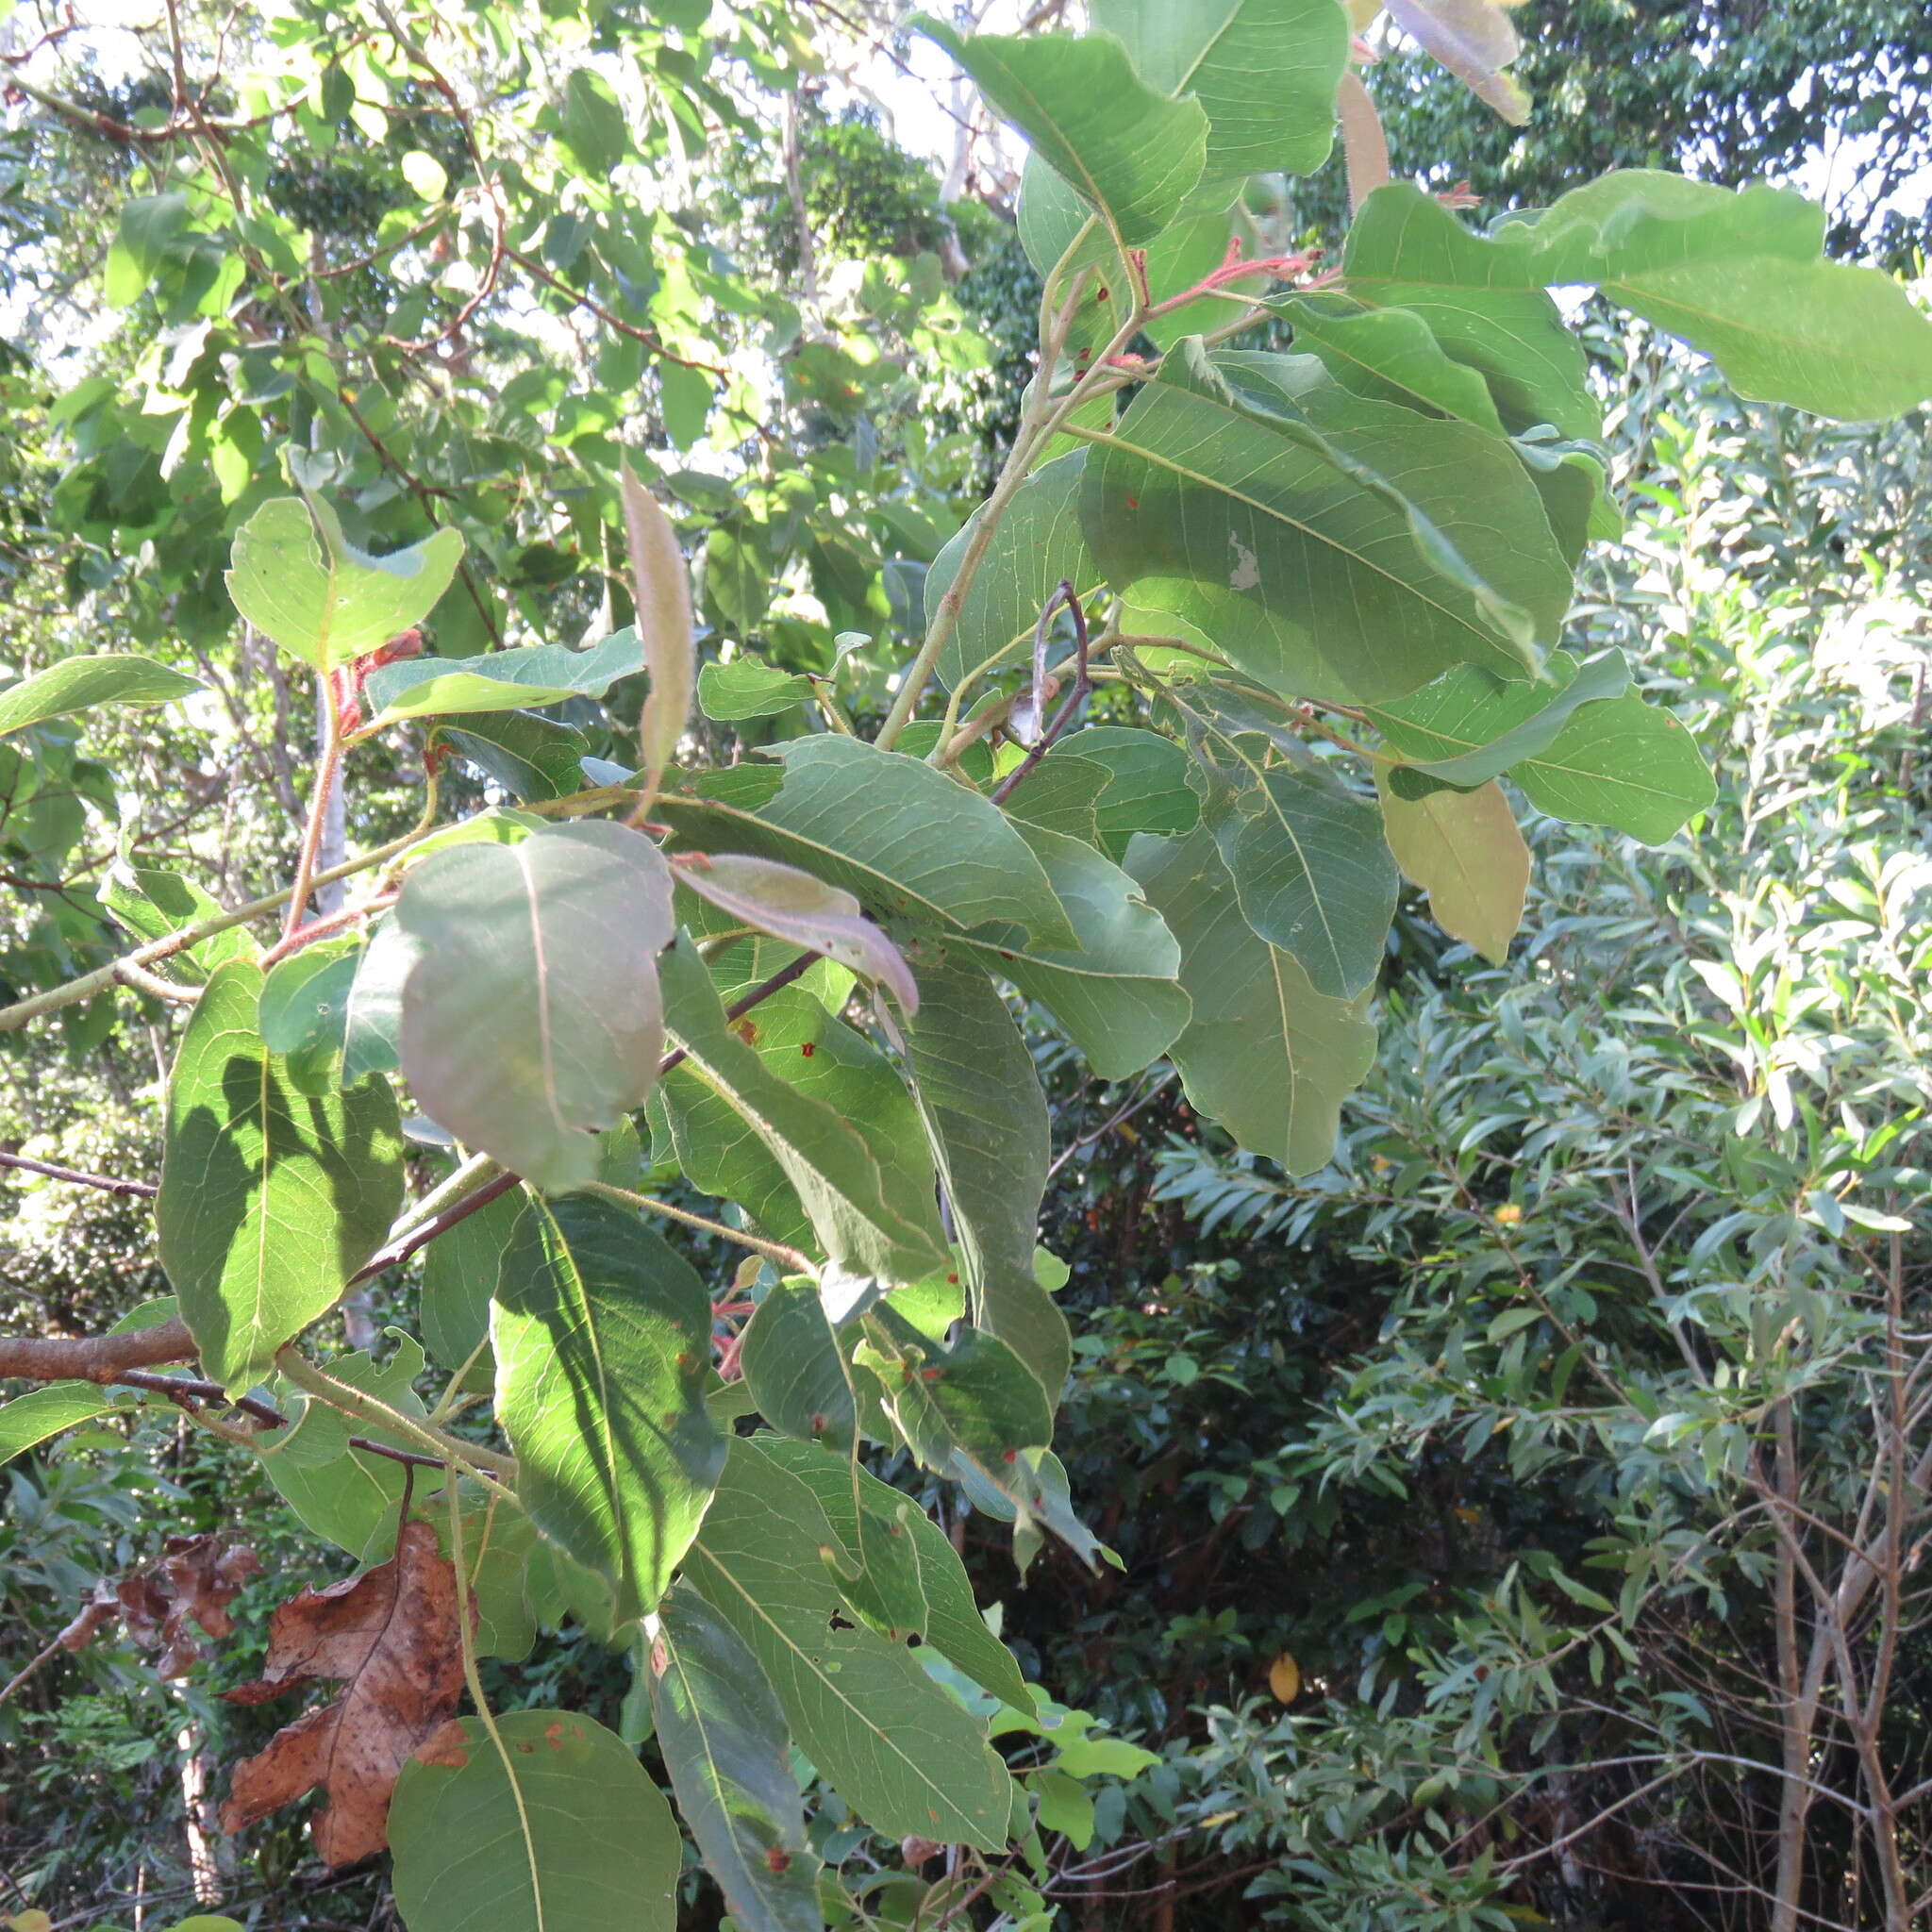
[1083, 686]
[144, 1190]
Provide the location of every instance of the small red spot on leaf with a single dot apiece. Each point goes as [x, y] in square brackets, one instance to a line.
[952, 1281]
[777, 1858]
[1132, 502]
[928, 1375]
[809, 1049]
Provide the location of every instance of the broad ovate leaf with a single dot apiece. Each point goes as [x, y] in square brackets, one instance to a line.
[551, 1825]
[271, 1199]
[1263, 71]
[793, 904]
[602, 1336]
[1265, 1055]
[299, 579]
[1132, 154]
[1463, 849]
[1622, 763]
[80, 684]
[531, 1017]
[660, 585]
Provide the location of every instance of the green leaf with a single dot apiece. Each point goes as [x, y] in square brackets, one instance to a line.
[1116, 995]
[1622, 763]
[152, 903]
[1265, 72]
[746, 689]
[531, 1017]
[1149, 790]
[459, 1278]
[1331, 547]
[146, 236]
[559, 1831]
[297, 578]
[953, 1623]
[1467, 727]
[1463, 849]
[867, 1195]
[1036, 543]
[594, 125]
[1310, 867]
[1265, 1054]
[375, 1003]
[1133, 156]
[722, 1733]
[924, 848]
[793, 904]
[794, 1368]
[80, 684]
[894, 1745]
[304, 999]
[529, 756]
[1389, 355]
[31, 1419]
[270, 1199]
[1737, 274]
[986, 1122]
[500, 680]
[348, 1496]
[603, 1339]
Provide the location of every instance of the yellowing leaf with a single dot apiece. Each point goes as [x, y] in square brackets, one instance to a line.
[1463, 849]
[1284, 1678]
[660, 585]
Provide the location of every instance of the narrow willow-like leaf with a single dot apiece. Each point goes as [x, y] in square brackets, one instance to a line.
[660, 585]
[269, 1198]
[953, 1623]
[985, 1121]
[80, 684]
[896, 1746]
[722, 1733]
[1464, 850]
[1265, 1054]
[1264, 71]
[1622, 763]
[603, 1337]
[868, 1204]
[1331, 547]
[1117, 995]
[793, 904]
[531, 1017]
[500, 680]
[1131, 154]
[297, 578]
[557, 1831]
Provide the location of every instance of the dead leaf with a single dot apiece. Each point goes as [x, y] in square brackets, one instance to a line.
[389, 1635]
[197, 1577]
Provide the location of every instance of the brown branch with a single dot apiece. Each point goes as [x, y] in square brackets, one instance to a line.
[101, 1358]
[1063, 593]
[108, 1185]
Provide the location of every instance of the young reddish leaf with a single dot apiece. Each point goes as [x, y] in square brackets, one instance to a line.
[660, 584]
[793, 904]
[1474, 40]
[389, 1635]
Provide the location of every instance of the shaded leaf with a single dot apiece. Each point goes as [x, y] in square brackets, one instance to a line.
[531, 1017]
[559, 1831]
[722, 1733]
[792, 1367]
[271, 1199]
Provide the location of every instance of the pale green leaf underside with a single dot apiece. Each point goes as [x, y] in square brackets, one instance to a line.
[501, 680]
[80, 684]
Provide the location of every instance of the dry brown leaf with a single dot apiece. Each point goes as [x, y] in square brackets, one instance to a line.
[196, 1578]
[389, 1635]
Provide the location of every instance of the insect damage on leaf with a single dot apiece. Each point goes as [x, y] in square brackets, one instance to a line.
[389, 1636]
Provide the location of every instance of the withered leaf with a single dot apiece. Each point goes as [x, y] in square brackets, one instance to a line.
[197, 1577]
[390, 1636]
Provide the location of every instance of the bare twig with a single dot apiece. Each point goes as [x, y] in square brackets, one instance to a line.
[108, 1185]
